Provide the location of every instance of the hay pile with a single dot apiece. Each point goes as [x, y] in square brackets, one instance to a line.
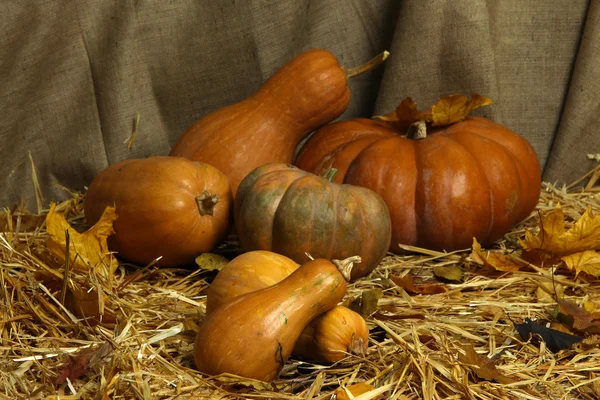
[424, 346]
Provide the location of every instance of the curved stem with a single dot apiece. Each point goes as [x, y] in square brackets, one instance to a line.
[345, 266]
[206, 202]
[369, 65]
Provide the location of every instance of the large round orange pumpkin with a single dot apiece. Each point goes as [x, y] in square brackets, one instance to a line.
[470, 179]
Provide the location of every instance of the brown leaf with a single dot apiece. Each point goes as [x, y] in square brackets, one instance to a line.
[482, 366]
[367, 303]
[554, 240]
[88, 249]
[84, 360]
[408, 284]
[455, 108]
[493, 259]
[577, 317]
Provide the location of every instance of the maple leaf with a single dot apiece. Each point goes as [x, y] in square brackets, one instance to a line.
[88, 249]
[456, 107]
[587, 261]
[448, 110]
[577, 317]
[482, 366]
[493, 259]
[554, 239]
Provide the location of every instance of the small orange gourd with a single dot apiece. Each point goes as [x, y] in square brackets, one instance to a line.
[333, 335]
[253, 335]
[167, 207]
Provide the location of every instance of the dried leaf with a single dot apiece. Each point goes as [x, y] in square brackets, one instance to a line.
[455, 108]
[495, 311]
[84, 360]
[237, 381]
[587, 261]
[211, 261]
[88, 249]
[406, 113]
[579, 318]
[554, 239]
[448, 110]
[483, 366]
[408, 284]
[367, 303]
[449, 272]
[554, 339]
[493, 259]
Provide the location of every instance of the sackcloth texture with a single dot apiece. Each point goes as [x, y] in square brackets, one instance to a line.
[75, 74]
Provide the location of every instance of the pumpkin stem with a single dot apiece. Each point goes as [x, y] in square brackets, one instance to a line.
[330, 174]
[417, 130]
[345, 266]
[369, 65]
[206, 202]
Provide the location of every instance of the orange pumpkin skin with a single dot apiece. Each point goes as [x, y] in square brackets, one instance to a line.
[283, 209]
[333, 335]
[246, 273]
[253, 334]
[475, 178]
[307, 92]
[166, 206]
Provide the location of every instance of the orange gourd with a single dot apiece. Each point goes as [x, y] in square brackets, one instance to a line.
[253, 335]
[246, 273]
[167, 207]
[333, 335]
[307, 92]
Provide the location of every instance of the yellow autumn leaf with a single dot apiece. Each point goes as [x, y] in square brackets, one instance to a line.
[456, 107]
[554, 240]
[585, 261]
[493, 259]
[211, 262]
[86, 250]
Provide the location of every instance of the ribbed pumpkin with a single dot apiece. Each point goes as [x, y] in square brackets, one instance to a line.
[283, 209]
[307, 92]
[466, 179]
[167, 207]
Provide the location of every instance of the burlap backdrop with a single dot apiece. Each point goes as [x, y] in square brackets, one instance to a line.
[74, 74]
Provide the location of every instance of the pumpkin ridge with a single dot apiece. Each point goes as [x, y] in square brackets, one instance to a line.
[516, 161]
[487, 181]
[336, 192]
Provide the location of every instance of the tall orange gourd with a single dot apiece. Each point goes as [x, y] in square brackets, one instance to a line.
[307, 92]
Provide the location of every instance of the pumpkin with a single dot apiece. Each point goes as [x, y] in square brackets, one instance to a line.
[333, 335]
[246, 273]
[328, 338]
[167, 207]
[307, 92]
[253, 335]
[468, 177]
[283, 209]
